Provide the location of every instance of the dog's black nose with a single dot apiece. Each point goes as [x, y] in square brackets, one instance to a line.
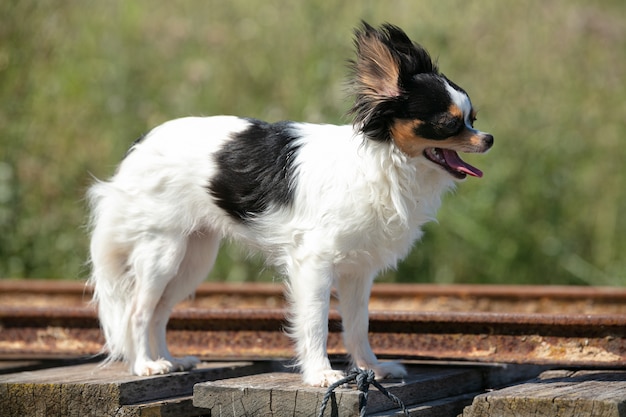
[488, 139]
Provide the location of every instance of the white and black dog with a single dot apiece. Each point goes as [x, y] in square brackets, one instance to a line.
[329, 206]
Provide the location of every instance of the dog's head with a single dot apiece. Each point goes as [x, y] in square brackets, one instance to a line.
[400, 96]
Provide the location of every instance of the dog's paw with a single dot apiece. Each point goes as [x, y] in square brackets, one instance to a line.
[158, 367]
[324, 378]
[185, 363]
[384, 370]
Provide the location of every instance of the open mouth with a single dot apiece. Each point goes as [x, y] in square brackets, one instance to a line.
[452, 162]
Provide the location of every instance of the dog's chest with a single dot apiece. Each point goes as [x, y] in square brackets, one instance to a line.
[384, 231]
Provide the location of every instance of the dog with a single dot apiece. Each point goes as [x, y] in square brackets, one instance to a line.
[329, 206]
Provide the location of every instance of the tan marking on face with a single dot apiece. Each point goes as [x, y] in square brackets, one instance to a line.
[403, 134]
[468, 141]
[455, 111]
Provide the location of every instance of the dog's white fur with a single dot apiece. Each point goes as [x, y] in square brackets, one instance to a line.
[329, 206]
[358, 208]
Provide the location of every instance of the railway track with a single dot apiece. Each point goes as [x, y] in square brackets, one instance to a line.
[565, 326]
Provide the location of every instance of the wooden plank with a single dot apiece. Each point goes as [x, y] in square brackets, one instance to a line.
[598, 393]
[282, 394]
[87, 389]
[173, 407]
[446, 407]
[90, 390]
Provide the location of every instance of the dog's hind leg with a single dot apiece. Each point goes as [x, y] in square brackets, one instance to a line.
[354, 294]
[156, 259]
[199, 258]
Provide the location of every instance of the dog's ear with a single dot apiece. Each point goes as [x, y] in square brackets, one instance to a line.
[376, 69]
[375, 83]
[412, 58]
[386, 63]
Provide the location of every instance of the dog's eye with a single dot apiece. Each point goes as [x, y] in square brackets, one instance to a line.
[440, 127]
[453, 124]
[450, 125]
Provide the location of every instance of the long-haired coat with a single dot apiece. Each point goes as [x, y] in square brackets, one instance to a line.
[329, 206]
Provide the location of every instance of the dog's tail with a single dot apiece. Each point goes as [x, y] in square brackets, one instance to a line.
[111, 275]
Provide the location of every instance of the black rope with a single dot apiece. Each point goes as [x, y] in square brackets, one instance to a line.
[363, 378]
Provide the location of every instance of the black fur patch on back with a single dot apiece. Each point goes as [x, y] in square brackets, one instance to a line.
[255, 169]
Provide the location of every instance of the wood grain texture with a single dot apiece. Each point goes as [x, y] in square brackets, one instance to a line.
[281, 394]
[90, 390]
[598, 393]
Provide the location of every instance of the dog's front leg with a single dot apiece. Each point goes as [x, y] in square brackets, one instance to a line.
[354, 294]
[310, 286]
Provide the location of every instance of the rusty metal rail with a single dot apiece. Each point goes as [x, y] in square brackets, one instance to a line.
[567, 326]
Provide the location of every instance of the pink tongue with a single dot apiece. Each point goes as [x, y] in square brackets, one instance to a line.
[456, 163]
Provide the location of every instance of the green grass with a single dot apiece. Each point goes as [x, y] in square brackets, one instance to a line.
[80, 80]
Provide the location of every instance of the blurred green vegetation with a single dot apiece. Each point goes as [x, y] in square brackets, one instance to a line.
[80, 80]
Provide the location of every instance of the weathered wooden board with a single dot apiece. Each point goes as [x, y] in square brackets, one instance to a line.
[445, 407]
[91, 390]
[265, 389]
[173, 407]
[598, 393]
[283, 394]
